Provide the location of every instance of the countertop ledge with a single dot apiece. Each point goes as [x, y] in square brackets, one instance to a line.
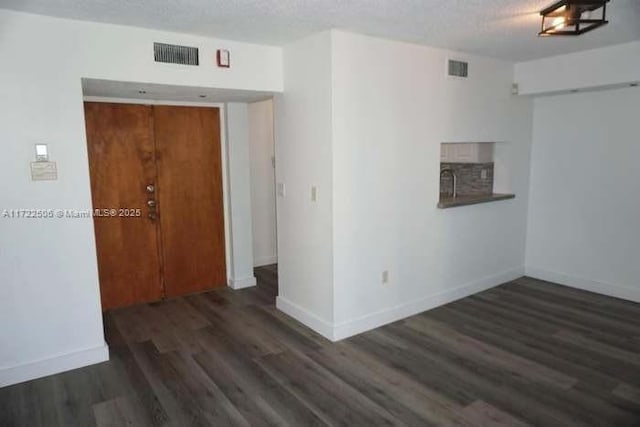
[450, 202]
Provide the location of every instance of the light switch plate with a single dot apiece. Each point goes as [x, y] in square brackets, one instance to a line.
[314, 193]
[223, 58]
[282, 191]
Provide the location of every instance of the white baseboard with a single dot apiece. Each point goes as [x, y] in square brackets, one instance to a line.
[305, 317]
[247, 282]
[53, 365]
[617, 291]
[259, 262]
[339, 331]
[383, 317]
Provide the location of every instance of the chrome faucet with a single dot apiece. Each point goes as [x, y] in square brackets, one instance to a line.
[454, 192]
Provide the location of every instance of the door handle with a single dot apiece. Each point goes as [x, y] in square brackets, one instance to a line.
[152, 216]
[151, 203]
[151, 188]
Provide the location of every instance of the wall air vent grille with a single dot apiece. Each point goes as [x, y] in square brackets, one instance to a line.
[458, 68]
[174, 54]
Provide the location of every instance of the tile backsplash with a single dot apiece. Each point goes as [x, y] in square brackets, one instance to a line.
[469, 177]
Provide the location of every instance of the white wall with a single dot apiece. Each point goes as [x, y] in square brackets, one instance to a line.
[49, 299]
[392, 107]
[608, 66]
[239, 195]
[366, 117]
[584, 210]
[263, 192]
[303, 159]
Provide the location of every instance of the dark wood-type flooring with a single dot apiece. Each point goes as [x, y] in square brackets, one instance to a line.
[527, 352]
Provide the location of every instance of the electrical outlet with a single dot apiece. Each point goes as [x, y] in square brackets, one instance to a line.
[385, 277]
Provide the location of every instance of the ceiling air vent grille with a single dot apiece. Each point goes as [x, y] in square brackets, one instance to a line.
[458, 68]
[175, 54]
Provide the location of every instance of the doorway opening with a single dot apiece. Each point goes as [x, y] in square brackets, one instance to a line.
[156, 184]
[263, 183]
[237, 263]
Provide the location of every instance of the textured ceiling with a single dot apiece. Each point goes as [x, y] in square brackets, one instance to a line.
[500, 28]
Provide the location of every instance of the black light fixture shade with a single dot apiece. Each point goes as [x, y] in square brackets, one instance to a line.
[573, 17]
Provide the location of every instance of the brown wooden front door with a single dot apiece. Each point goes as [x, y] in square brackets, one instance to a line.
[160, 169]
[190, 185]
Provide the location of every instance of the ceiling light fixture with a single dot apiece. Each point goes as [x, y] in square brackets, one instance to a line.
[573, 17]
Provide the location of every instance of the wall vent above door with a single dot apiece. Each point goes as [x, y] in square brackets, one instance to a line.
[175, 54]
[458, 68]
